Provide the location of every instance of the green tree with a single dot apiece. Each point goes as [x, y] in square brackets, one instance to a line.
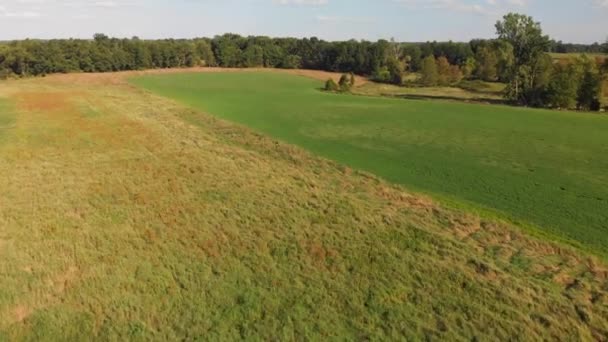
[529, 62]
[228, 53]
[291, 62]
[381, 74]
[487, 64]
[253, 56]
[204, 52]
[469, 67]
[415, 57]
[344, 82]
[505, 59]
[141, 55]
[589, 92]
[395, 69]
[18, 60]
[273, 56]
[430, 75]
[443, 71]
[563, 86]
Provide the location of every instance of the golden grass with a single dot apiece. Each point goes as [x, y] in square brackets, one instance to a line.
[124, 215]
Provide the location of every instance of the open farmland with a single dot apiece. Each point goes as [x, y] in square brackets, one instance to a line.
[125, 215]
[533, 166]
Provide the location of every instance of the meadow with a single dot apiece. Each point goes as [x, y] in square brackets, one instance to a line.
[540, 169]
[125, 215]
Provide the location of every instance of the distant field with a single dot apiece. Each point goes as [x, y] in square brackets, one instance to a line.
[558, 56]
[534, 166]
[127, 216]
[467, 91]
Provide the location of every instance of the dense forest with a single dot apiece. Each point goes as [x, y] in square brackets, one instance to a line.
[521, 61]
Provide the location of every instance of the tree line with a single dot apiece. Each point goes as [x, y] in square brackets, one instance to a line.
[517, 57]
[534, 79]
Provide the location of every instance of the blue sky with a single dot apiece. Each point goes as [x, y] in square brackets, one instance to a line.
[406, 20]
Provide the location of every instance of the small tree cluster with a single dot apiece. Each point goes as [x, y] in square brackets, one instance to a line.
[439, 71]
[346, 83]
[576, 85]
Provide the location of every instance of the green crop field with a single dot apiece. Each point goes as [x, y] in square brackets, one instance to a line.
[543, 168]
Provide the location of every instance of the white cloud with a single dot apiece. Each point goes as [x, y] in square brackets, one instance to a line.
[520, 3]
[39, 8]
[478, 7]
[302, 2]
[344, 19]
[482, 7]
[602, 3]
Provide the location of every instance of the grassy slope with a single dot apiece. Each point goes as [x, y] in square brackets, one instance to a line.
[126, 216]
[7, 118]
[537, 166]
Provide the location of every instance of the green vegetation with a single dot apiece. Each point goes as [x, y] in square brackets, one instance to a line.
[344, 85]
[439, 72]
[430, 74]
[534, 166]
[331, 85]
[533, 79]
[151, 221]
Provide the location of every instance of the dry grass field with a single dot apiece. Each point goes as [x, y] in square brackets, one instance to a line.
[124, 215]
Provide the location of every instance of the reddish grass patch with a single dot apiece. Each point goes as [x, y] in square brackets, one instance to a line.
[21, 313]
[43, 102]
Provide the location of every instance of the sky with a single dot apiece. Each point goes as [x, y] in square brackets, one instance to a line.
[577, 21]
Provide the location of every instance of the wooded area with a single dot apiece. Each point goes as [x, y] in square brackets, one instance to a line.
[519, 59]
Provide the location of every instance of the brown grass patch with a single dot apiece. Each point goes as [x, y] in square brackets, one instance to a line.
[64, 280]
[21, 313]
[43, 101]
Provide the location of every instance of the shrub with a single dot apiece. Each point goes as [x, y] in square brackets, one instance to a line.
[352, 80]
[381, 75]
[331, 85]
[455, 75]
[443, 71]
[344, 83]
[430, 75]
